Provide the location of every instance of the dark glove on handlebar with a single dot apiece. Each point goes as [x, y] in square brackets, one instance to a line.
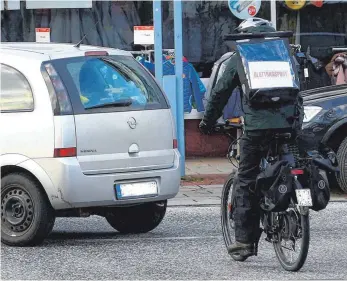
[204, 128]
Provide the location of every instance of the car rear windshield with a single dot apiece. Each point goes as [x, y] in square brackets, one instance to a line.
[114, 83]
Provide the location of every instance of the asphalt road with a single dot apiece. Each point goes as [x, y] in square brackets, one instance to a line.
[187, 245]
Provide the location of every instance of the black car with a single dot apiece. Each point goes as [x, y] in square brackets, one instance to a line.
[325, 124]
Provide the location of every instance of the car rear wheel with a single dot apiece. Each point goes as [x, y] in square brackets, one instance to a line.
[26, 215]
[137, 219]
[342, 159]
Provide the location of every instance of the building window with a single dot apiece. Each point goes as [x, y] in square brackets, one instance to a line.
[322, 34]
[16, 94]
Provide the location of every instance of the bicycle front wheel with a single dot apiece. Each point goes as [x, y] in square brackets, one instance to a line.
[293, 240]
[227, 217]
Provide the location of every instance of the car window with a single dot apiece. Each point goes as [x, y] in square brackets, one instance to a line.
[105, 80]
[16, 94]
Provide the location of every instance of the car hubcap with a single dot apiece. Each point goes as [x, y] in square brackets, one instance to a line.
[17, 211]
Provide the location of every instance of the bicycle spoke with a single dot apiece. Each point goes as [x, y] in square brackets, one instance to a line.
[286, 248]
[291, 256]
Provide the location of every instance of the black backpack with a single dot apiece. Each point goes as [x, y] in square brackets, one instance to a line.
[267, 72]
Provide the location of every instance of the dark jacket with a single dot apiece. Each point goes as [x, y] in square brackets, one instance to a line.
[255, 119]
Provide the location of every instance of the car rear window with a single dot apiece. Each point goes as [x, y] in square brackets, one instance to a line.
[114, 83]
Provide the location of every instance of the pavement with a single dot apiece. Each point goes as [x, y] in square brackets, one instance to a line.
[204, 180]
[209, 195]
[205, 166]
[207, 171]
[187, 245]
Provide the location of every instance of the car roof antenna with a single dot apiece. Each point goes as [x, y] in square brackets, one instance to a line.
[84, 36]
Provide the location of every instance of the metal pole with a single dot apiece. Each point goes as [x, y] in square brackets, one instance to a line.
[298, 27]
[273, 13]
[178, 22]
[158, 41]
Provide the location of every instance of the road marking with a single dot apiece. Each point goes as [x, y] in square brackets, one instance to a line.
[137, 239]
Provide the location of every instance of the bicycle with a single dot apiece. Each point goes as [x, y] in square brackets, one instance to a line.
[285, 226]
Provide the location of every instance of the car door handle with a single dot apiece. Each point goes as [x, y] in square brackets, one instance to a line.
[134, 148]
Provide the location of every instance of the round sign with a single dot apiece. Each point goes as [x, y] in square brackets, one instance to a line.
[317, 3]
[244, 9]
[295, 5]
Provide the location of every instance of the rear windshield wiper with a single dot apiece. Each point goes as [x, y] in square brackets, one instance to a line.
[121, 103]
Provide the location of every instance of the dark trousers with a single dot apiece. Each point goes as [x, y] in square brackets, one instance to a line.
[246, 201]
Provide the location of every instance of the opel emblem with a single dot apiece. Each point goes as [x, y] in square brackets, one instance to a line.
[132, 123]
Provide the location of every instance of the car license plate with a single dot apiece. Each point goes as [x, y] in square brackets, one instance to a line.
[136, 190]
[304, 197]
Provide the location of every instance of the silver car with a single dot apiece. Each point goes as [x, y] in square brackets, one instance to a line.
[84, 131]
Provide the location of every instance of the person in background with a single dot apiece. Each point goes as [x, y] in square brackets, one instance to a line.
[337, 68]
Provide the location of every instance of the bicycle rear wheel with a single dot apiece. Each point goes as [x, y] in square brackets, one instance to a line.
[227, 219]
[294, 238]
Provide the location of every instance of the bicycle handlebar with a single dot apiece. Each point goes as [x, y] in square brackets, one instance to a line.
[227, 127]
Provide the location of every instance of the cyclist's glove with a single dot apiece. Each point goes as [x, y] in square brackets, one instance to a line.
[204, 128]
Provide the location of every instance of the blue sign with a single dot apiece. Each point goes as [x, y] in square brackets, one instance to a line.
[244, 9]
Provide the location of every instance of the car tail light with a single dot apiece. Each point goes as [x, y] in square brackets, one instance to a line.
[175, 144]
[65, 152]
[297, 172]
[96, 53]
[60, 100]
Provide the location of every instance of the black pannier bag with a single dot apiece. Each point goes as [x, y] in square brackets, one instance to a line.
[276, 185]
[317, 182]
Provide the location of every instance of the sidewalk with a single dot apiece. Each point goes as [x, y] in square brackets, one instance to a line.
[203, 183]
[207, 171]
[210, 195]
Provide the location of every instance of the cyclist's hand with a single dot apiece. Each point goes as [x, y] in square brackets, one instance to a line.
[204, 128]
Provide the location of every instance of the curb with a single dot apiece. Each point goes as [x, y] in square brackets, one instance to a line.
[200, 205]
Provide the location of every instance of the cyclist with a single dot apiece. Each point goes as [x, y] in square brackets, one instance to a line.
[260, 125]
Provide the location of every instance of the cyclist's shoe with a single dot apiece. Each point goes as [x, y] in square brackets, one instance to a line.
[241, 250]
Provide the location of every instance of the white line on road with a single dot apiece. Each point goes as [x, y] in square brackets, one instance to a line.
[137, 239]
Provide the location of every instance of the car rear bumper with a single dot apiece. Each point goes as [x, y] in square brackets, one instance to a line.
[78, 190]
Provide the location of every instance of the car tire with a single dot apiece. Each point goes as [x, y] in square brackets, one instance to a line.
[342, 160]
[26, 214]
[137, 219]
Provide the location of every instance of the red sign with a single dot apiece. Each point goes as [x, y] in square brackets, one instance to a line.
[317, 3]
[143, 27]
[143, 35]
[43, 35]
[252, 11]
[42, 29]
